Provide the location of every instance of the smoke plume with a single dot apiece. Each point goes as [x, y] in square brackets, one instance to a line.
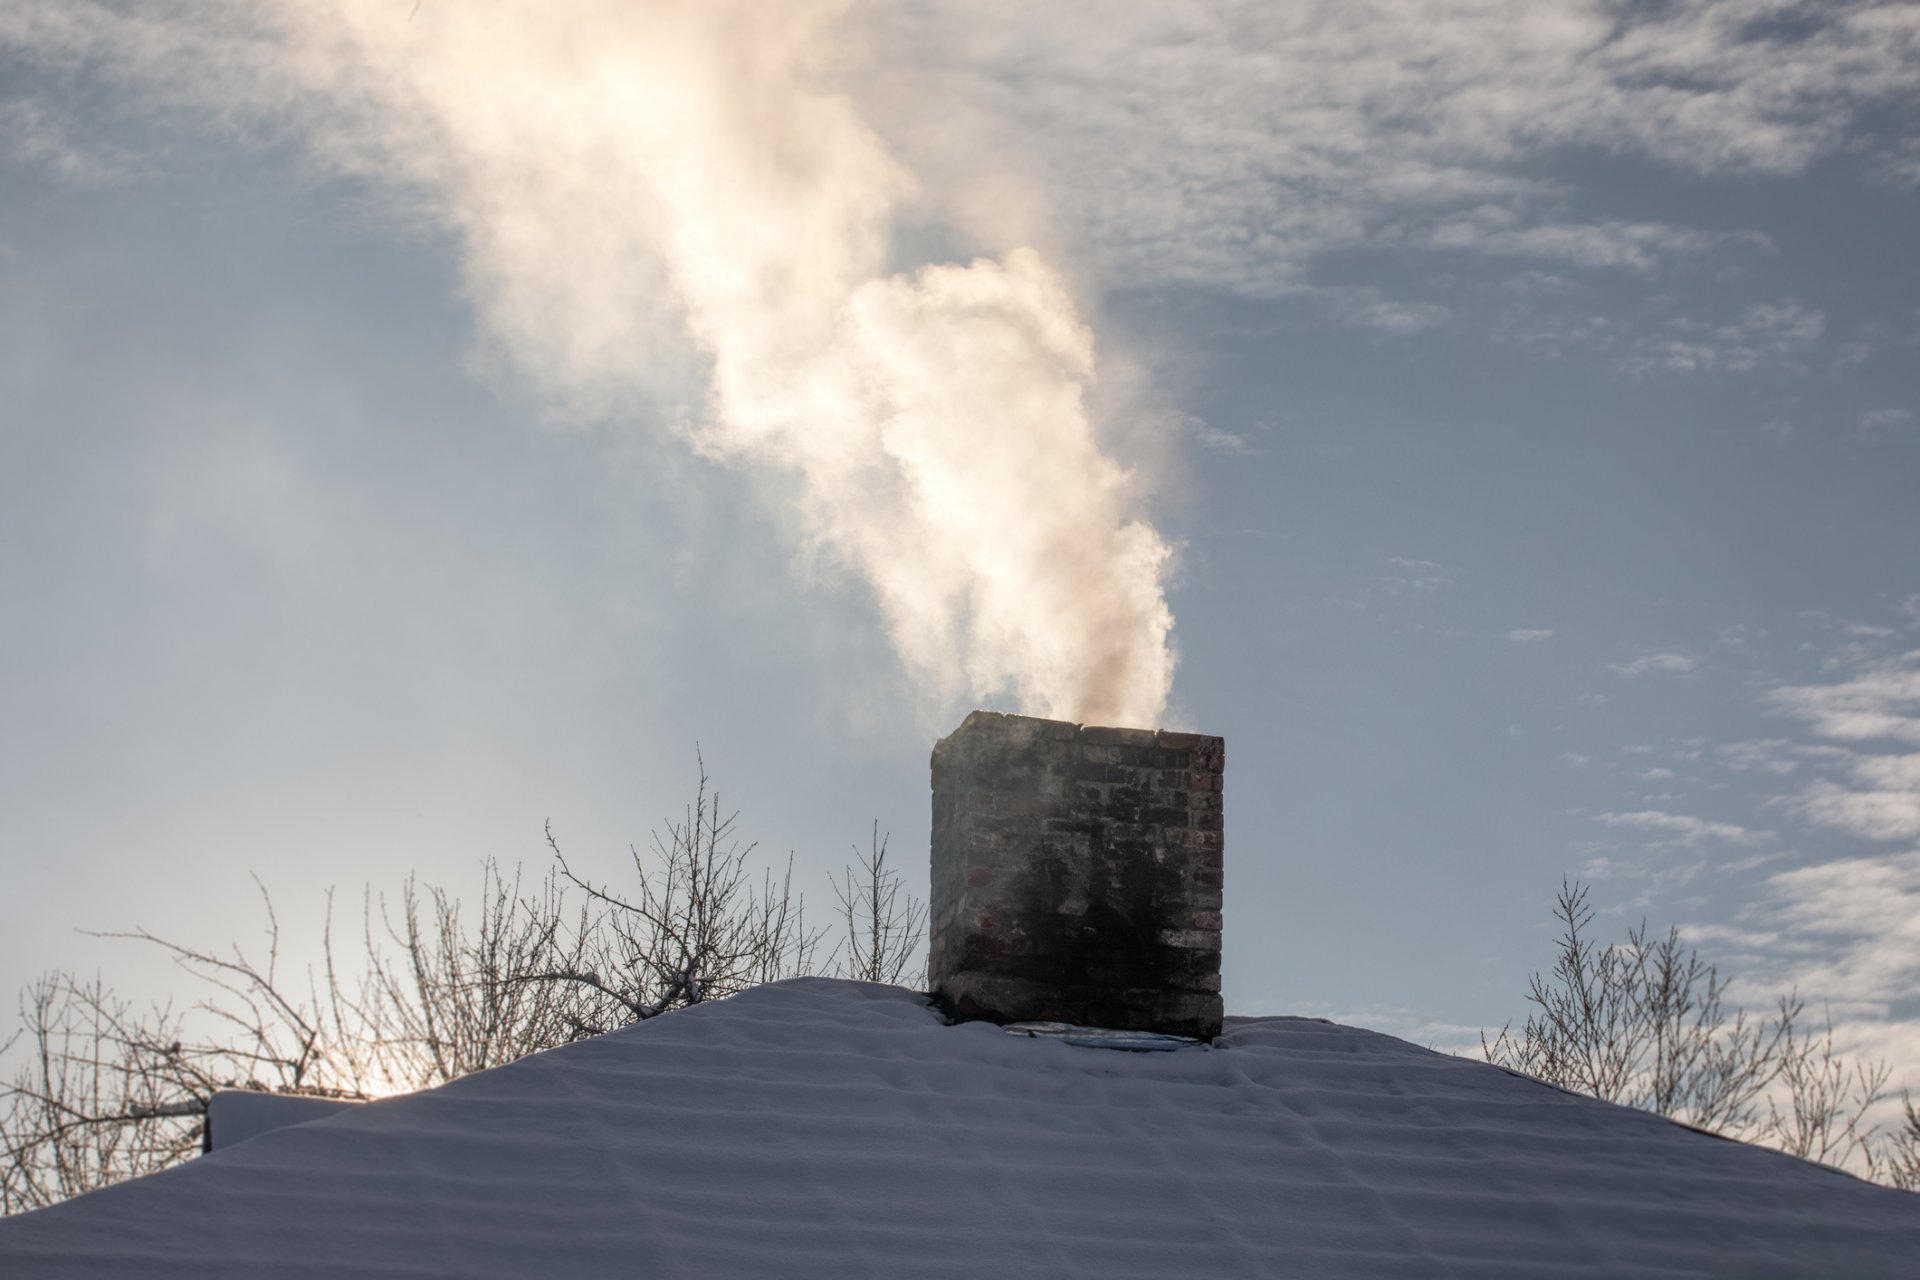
[690, 184]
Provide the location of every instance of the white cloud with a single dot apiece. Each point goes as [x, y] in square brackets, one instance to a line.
[1862, 916]
[1882, 702]
[1844, 934]
[1757, 755]
[1591, 699]
[1890, 773]
[1208, 437]
[1845, 937]
[1763, 335]
[1329, 125]
[1527, 635]
[36, 136]
[1726, 935]
[1402, 317]
[1885, 807]
[1537, 284]
[1682, 829]
[1875, 421]
[1636, 246]
[1647, 664]
[1407, 578]
[1871, 815]
[1231, 143]
[1899, 165]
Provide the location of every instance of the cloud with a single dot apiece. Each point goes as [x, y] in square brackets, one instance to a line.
[1231, 143]
[1757, 755]
[1891, 773]
[1412, 579]
[1210, 438]
[1761, 336]
[1883, 702]
[1402, 317]
[1899, 165]
[1681, 828]
[1875, 421]
[1871, 815]
[1764, 335]
[1885, 807]
[1844, 936]
[35, 135]
[1858, 920]
[1634, 246]
[1525, 635]
[1647, 664]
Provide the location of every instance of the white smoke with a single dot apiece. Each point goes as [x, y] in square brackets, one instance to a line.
[635, 184]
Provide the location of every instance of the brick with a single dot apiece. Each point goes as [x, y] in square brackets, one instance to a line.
[1094, 735]
[1186, 741]
[1076, 874]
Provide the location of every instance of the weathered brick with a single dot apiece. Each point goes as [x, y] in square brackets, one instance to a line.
[1092, 884]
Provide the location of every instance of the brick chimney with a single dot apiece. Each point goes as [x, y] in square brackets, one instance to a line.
[1076, 875]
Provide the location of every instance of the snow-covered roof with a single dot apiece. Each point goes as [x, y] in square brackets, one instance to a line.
[817, 1128]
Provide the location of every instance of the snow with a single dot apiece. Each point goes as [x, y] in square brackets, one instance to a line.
[235, 1115]
[817, 1128]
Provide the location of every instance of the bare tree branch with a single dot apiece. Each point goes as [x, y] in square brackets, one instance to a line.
[101, 1091]
[1644, 1024]
[883, 930]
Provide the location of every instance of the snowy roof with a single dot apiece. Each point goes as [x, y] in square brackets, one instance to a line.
[836, 1129]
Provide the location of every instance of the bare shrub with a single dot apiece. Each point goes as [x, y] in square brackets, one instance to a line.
[884, 929]
[110, 1091]
[453, 1000]
[1900, 1155]
[97, 1099]
[1644, 1023]
[696, 928]
[1819, 1112]
[102, 1090]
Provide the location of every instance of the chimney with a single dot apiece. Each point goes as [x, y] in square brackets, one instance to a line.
[1076, 875]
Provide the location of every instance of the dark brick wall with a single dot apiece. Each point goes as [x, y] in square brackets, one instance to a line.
[1076, 874]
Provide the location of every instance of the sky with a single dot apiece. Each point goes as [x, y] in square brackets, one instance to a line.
[1498, 420]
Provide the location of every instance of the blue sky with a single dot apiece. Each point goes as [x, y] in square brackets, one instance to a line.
[1526, 394]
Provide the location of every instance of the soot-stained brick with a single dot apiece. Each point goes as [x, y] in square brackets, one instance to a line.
[1077, 874]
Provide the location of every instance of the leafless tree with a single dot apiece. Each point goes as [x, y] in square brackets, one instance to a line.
[109, 1090]
[87, 1107]
[1820, 1111]
[883, 928]
[452, 1000]
[695, 927]
[1900, 1154]
[1645, 1024]
[101, 1090]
